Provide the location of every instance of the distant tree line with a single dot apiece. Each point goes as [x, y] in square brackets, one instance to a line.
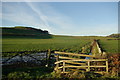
[114, 35]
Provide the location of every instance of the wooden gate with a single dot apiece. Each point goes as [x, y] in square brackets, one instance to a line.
[65, 62]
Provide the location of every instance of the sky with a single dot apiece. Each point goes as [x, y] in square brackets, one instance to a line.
[63, 18]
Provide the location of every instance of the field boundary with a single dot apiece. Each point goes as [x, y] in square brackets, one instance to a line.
[88, 66]
[64, 62]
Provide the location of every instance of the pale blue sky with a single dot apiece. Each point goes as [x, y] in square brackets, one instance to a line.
[63, 18]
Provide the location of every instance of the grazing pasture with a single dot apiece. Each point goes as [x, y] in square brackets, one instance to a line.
[109, 46]
[61, 43]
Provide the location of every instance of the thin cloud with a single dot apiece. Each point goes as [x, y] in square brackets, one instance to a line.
[41, 16]
[59, 21]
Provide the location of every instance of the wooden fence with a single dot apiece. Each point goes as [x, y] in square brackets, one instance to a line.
[63, 63]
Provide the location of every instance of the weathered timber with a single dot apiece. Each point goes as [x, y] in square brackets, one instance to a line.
[88, 66]
[69, 63]
[48, 57]
[74, 54]
[63, 66]
[71, 66]
[59, 62]
[81, 60]
[60, 67]
[68, 58]
[83, 66]
[88, 60]
[106, 66]
[72, 62]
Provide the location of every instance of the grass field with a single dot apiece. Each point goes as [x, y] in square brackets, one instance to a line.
[61, 43]
[109, 46]
[55, 43]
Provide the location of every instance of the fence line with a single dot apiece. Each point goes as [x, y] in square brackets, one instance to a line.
[68, 62]
[88, 66]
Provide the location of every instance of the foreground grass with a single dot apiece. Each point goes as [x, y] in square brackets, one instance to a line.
[27, 72]
[30, 73]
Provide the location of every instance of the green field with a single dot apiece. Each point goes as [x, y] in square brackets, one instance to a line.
[61, 43]
[109, 46]
[56, 43]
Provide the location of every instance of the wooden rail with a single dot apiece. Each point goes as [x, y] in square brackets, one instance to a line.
[73, 54]
[88, 66]
[69, 62]
[61, 57]
[81, 60]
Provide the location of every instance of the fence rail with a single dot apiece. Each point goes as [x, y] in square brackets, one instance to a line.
[69, 62]
[74, 54]
[88, 66]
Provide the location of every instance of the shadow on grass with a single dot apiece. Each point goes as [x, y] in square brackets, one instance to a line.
[28, 36]
[30, 72]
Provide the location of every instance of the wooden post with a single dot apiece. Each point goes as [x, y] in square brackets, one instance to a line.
[57, 67]
[88, 65]
[48, 57]
[57, 59]
[46, 60]
[107, 66]
[21, 59]
[63, 66]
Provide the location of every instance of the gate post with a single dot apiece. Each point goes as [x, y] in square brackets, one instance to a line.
[63, 66]
[57, 59]
[48, 57]
[107, 66]
[88, 66]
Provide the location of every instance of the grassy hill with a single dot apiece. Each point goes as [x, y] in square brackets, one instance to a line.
[24, 32]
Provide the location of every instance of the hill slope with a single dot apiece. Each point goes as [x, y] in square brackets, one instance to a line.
[24, 32]
[114, 35]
